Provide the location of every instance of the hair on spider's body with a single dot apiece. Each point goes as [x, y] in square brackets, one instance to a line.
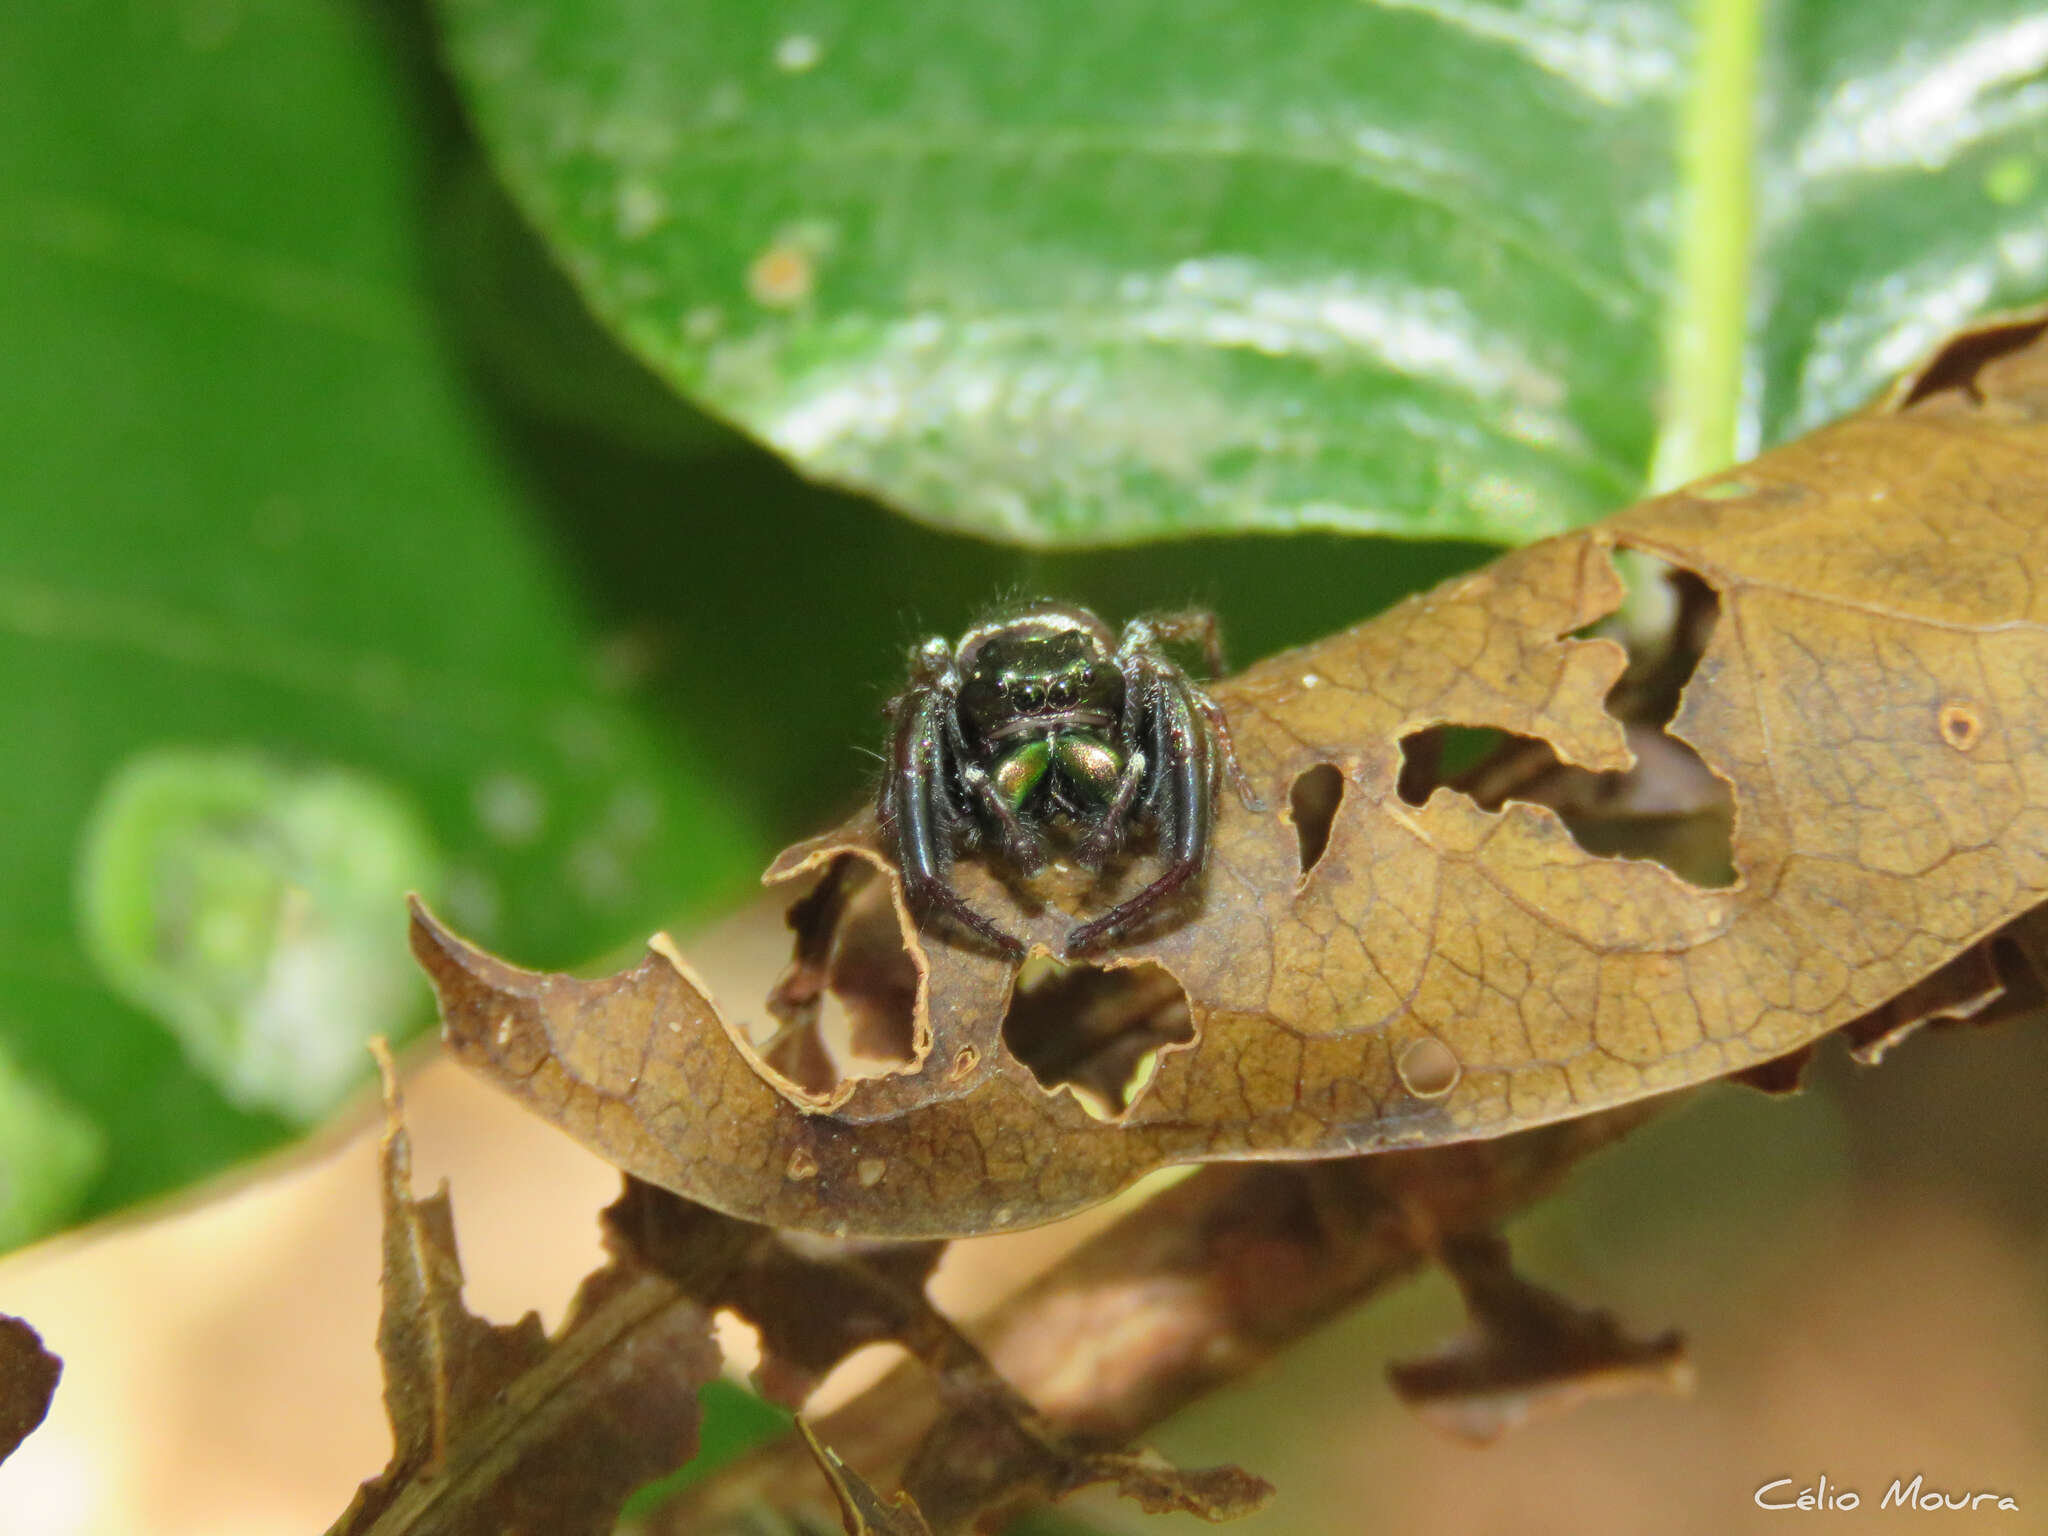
[1041, 716]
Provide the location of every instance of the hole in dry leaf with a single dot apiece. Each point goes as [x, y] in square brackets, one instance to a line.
[847, 1005]
[1095, 1030]
[1313, 802]
[1960, 724]
[1429, 1069]
[1958, 364]
[1443, 755]
[739, 1341]
[1670, 809]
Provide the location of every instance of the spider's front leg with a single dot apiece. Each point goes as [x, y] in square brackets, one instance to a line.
[919, 817]
[1182, 755]
[1219, 733]
[1187, 626]
[1198, 626]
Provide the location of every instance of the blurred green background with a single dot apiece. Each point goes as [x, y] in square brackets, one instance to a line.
[503, 449]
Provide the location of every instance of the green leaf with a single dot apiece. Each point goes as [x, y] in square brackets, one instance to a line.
[280, 627]
[1901, 189]
[50, 1153]
[1091, 271]
[519, 314]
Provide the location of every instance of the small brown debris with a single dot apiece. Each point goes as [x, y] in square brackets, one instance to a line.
[28, 1380]
[781, 277]
[860, 1507]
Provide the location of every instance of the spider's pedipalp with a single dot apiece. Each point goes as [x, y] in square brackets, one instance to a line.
[1180, 800]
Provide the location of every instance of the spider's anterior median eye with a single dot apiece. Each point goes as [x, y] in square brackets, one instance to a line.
[1064, 691]
[1026, 693]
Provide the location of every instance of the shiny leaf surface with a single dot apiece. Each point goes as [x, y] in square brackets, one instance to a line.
[1088, 273]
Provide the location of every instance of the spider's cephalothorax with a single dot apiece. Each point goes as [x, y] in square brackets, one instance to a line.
[1043, 718]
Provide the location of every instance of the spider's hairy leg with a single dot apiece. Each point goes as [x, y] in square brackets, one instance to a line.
[1197, 626]
[919, 818]
[1188, 773]
[1186, 626]
[1219, 732]
[930, 660]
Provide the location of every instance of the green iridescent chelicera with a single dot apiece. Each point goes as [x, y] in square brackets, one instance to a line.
[1042, 718]
[1085, 766]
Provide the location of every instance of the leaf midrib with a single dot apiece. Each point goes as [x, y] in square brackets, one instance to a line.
[1706, 327]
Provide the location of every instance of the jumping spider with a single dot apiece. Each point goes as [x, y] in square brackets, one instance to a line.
[1041, 716]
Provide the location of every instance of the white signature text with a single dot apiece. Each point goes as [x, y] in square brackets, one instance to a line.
[1824, 1496]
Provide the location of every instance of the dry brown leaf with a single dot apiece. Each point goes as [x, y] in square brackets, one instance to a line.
[860, 1507]
[1529, 1352]
[1189, 1292]
[814, 1304]
[504, 1430]
[993, 1452]
[2000, 978]
[1872, 690]
[28, 1380]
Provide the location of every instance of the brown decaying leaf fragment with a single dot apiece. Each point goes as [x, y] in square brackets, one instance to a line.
[500, 1430]
[816, 1305]
[860, 1507]
[1529, 1352]
[28, 1380]
[1197, 1287]
[2000, 978]
[1874, 694]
